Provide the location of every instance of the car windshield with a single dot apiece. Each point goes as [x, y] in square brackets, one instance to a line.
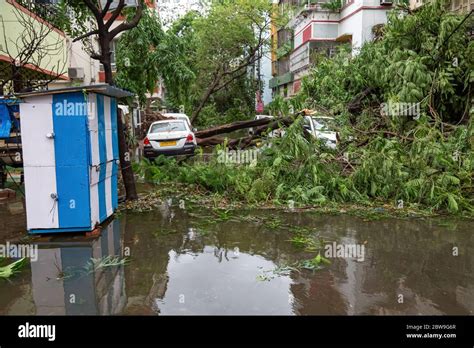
[168, 127]
[323, 124]
[306, 124]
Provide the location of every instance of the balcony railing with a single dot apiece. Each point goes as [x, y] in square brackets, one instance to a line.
[306, 55]
[282, 66]
[44, 9]
[280, 80]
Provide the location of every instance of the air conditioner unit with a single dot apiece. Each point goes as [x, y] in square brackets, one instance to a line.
[76, 73]
[115, 3]
[386, 2]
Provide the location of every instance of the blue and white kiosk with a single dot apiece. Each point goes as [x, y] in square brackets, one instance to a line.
[70, 156]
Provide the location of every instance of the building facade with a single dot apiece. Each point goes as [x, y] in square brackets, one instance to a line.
[457, 6]
[319, 27]
[58, 62]
[32, 48]
[171, 10]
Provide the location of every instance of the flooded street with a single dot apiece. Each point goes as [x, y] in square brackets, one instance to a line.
[199, 261]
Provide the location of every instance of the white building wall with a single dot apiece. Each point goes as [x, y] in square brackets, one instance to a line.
[369, 20]
[299, 58]
[353, 26]
[266, 71]
[325, 31]
[298, 40]
[358, 18]
[79, 58]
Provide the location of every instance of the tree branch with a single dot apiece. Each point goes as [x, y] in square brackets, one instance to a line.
[106, 8]
[229, 81]
[128, 25]
[95, 10]
[93, 32]
[115, 13]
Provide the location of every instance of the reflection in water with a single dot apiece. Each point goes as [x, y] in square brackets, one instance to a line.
[228, 286]
[64, 279]
[193, 263]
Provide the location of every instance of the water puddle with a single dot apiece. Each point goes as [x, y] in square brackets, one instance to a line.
[174, 261]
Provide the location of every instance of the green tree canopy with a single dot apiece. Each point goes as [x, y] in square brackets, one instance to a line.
[147, 53]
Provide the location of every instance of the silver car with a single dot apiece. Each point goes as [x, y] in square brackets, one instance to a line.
[322, 127]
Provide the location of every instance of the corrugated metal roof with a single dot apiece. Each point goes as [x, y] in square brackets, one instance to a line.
[104, 89]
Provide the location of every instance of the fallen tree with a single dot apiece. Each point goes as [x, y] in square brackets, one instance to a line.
[208, 137]
[424, 160]
[264, 126]
[231, 127]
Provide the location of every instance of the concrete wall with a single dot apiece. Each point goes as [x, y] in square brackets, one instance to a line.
[325, 31]
[299, 58]
[11, 27]
[321, 27]
[358, 18]
[355, 19]
[322, 23]
[458, 6]
[64, 54]
[78, 58]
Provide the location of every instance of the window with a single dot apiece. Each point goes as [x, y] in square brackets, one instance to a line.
[323, 124]
[137, 118]
[332, 51]
[168, 127]
[113, 46]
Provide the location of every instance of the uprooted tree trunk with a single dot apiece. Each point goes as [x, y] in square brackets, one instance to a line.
[355, 105]
[208, 137]
[227, 128]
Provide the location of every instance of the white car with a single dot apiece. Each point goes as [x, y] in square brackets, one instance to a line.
[178, 116]
[273, 133]
[169, 138]
[322, 127]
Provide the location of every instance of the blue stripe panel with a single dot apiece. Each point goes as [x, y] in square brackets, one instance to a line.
[114, 181]
[57, 230]
[83, 285]
[113, 118]
[70, 129]
[70, 146]
[116, 232]
[73, 193]
[102, 157]
[5, 122]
